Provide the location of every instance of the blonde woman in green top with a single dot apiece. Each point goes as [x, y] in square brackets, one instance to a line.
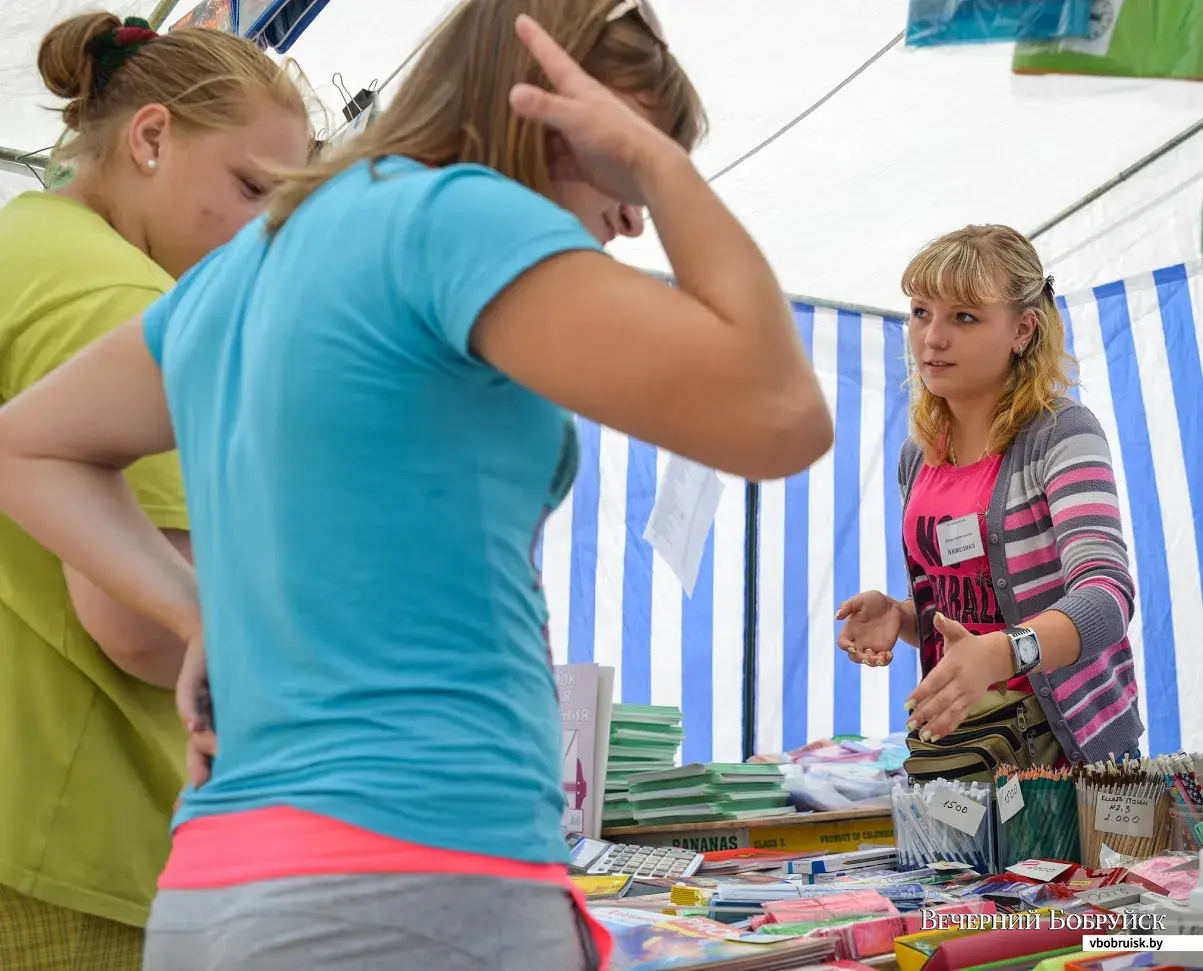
[172, 134]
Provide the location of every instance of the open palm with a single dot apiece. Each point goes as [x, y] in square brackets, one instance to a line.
[871, 627]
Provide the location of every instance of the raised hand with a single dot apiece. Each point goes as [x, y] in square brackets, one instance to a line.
[872, 622]
[608, 139]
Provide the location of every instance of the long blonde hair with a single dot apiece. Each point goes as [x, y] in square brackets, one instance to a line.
[454, 104]
[978, 266]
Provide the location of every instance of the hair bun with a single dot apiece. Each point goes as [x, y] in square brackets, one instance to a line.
[65, 63]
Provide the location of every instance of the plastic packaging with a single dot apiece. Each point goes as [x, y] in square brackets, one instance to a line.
[1128, 38]
[1175, 875]
[833, 786]
[944, 821]
[271, 23]
[1183, 919]
[933, 22]
[1186, 824]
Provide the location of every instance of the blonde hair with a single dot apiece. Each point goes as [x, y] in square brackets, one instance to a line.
[454, 104]
[205, 78]
[978, 266]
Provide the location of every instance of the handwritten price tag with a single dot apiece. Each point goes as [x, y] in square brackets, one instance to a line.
[1010, 799]
[1044, 870]
[956, 811]
[1126, 816]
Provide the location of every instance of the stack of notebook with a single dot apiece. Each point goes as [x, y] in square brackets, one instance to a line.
[709, 792]
[643, 738]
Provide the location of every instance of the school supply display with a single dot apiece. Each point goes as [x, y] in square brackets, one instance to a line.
[1006, 728]
[708, 792]
[734, 902]
[655, 942]
[643, 738]
[1037, 814]
[931, 22]
[944, 822]
[586, 696]
[1126, 38]
[601, 887]
[599, 858]
[1123, 809]
[846, 863]
[1186, 814]
[867, 936]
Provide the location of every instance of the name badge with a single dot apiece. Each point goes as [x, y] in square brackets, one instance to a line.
[960, 540]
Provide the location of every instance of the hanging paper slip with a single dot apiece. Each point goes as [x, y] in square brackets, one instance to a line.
[686, 503]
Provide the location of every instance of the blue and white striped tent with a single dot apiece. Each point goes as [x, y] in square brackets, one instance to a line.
[834, 530]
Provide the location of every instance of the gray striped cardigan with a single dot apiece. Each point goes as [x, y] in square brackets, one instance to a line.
[1055, 542]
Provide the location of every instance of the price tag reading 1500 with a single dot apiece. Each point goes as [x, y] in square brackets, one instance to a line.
[956, 810]
[1010, 799]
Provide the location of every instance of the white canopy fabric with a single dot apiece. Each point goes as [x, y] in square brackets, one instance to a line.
[921, 142]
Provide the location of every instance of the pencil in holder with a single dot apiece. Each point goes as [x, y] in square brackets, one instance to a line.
[1037, 815]
[1123, 808]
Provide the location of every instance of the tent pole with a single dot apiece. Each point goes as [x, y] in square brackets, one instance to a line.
[751, 613]
[1119, 179]
[855, 308]
[161, 12]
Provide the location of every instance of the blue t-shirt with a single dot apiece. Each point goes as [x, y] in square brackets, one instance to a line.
[365, 499]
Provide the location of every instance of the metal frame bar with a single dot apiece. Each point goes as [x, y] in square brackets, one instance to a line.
[32, 164]
[1122, 177]
[35, 163]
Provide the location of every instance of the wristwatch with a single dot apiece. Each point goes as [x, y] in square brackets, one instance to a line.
[1025, 649]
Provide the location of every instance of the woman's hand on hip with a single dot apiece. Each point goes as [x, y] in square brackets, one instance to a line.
[872, 622]
[970, 665]
[195, 707]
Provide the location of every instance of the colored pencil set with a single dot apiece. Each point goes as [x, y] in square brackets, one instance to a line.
[1046, 824]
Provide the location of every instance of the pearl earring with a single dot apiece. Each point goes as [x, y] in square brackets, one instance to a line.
[152, 164]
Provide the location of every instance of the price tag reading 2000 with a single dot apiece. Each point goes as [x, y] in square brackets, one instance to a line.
[1124, 815]
[956, 810]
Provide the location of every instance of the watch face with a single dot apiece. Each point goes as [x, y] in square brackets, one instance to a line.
[1027, 650]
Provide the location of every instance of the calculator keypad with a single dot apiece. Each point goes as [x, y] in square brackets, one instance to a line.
[649, 862]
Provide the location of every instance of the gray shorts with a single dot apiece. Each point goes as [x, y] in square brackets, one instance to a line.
[369, 922]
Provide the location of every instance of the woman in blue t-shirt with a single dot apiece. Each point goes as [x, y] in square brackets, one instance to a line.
[371, 393]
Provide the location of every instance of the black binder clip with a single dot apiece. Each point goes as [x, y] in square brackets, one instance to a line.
[353, 107]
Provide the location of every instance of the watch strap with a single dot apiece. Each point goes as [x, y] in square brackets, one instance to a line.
[1015, 635]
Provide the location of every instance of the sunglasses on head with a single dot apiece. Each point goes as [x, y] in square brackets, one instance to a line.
[643, 10]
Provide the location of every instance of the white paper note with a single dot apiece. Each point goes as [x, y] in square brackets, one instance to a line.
[1124, 815]
[686, 503]
[1010, 799]
[1043, 870]
[956, 810]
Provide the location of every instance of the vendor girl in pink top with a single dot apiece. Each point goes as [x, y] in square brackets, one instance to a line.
[1011, 528]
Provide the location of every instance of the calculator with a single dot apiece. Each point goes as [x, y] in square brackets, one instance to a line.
[599, 858]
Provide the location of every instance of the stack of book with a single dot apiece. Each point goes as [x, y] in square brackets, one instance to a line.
[643, 738]
[709, 792]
